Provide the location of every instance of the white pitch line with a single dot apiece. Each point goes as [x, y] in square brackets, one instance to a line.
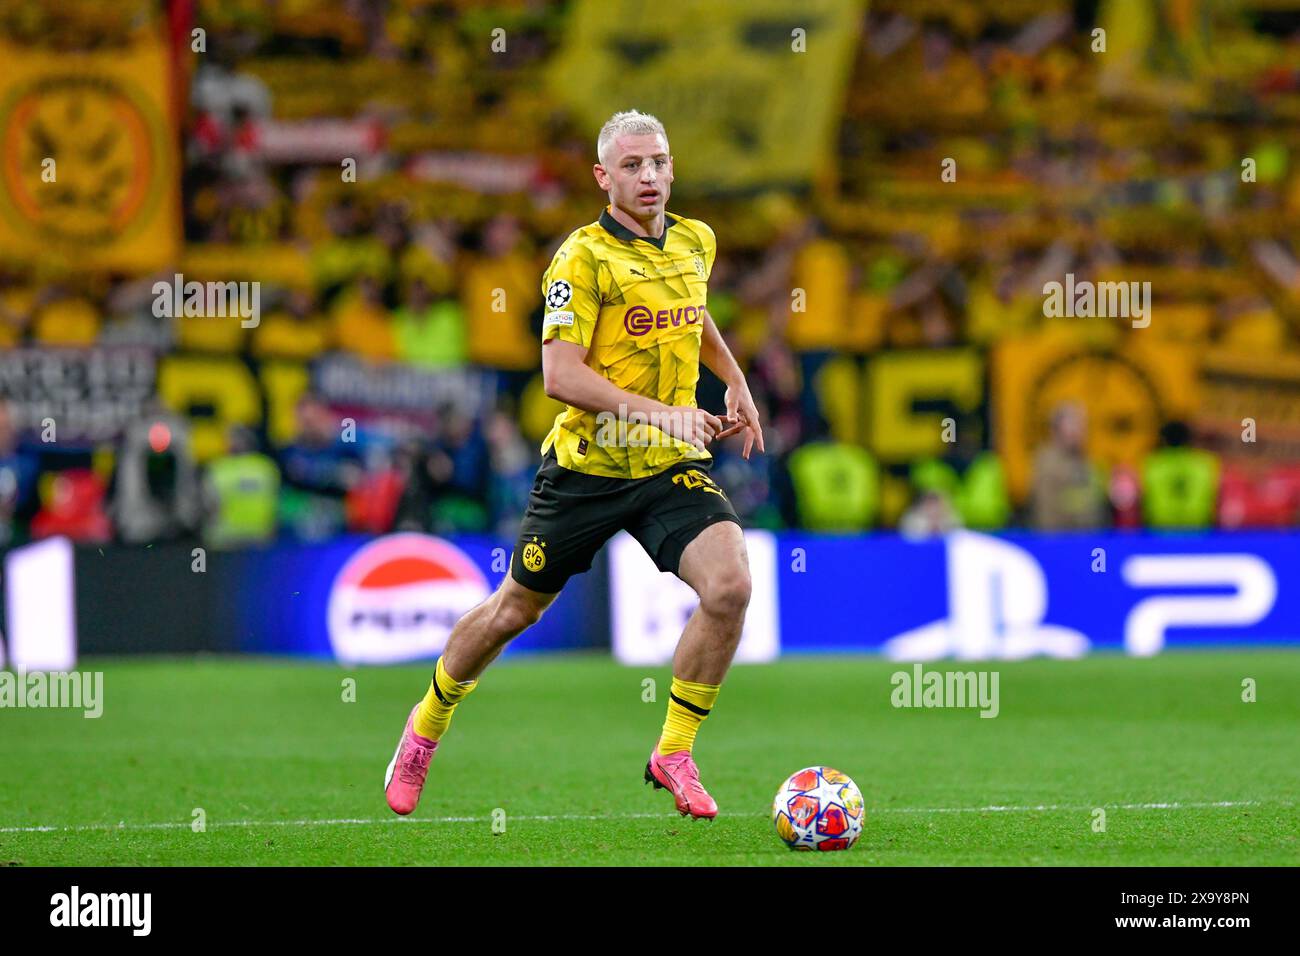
[411, 821]
[340, 822]
[1058, 806]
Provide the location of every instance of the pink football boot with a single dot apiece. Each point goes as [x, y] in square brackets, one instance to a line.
[678, 774]
[410, 765]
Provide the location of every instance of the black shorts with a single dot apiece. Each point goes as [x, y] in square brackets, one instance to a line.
[571, 515]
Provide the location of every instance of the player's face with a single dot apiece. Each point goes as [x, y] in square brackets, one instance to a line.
[639, 176]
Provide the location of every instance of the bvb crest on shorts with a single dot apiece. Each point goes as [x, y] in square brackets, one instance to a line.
[534, 556]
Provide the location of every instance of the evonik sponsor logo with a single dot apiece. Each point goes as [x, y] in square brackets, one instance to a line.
[639, 319]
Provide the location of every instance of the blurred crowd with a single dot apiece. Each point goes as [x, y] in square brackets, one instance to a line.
[428, 253]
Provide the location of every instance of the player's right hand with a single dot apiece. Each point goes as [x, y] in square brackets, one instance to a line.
[693, 425]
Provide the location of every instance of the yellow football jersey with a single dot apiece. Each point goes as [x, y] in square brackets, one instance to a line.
[637, 305]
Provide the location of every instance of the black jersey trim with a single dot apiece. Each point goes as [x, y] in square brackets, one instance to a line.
[620, 231]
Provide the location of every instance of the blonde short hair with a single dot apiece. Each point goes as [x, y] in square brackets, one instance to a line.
[631, 122]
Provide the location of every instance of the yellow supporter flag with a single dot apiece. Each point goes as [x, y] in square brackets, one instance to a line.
[88, 165]
[1129, 389]
[750, 90]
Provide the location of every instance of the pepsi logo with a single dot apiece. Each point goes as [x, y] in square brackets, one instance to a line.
[398, 597]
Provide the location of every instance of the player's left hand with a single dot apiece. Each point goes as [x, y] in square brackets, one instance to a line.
[742, 412]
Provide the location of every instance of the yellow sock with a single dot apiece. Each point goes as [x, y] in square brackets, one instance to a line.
[688, 705]
[435, 711]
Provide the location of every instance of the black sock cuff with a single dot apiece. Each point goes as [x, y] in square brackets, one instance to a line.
[693, 708]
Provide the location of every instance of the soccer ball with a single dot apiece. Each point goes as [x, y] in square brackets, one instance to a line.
[818, 808]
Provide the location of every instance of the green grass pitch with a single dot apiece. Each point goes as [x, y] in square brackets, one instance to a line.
[288, 773]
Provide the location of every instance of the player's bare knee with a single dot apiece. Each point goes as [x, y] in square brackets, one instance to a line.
[512, 617]
[727, 592]
[515, 613]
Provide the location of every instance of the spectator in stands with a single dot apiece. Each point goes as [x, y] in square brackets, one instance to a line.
[211, 333]
[371, 503]
[748, 483]
[448, 480]
[73, 507]
[1180, 484]
[820, 273]
[350, 251]
[1250, 324]
[294, 330]
[834, 486]
[362, 324]
[429, 333]
[156, 493]
[969, 478]
[64, 318]
[931, 515]
[432, 256]
[317, 469]
[463, 503]
[513, 467]
[501, 285]
[17, 480]
[422, 478]
[775, 377]
[821, 268]
[15, 315]
[1068, 494]
[241, 490]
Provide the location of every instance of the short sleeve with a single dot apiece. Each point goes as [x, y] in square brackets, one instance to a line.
[710, 248]
[571, 295]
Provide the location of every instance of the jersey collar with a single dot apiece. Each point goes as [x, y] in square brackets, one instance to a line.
[620, 231]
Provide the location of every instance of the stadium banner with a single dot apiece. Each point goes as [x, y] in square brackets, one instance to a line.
[910, 393]
[1242, 387]
[396, 391]
[90, 395]
[271, 264]
[394, 598]
[89, 177]
[749, 90]
[980, 596]
[315, 140]
[93, 394]
[650, 607]
[1129, 391]
[39, 608]
[356, 599]
[481, 172]
[214, 392]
